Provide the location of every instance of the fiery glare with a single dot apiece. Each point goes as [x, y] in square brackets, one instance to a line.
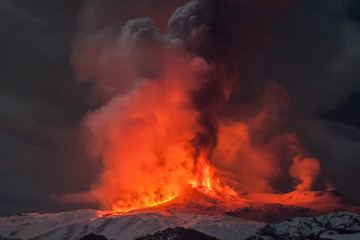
[204, 174]
[161, 127]
[144, 139]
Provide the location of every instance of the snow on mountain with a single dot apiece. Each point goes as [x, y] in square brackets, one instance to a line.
[177, 233]
[29, 225]
[338, 225]
[74, 225]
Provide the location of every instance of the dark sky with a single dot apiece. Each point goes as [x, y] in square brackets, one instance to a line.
[41, 106]
[315, 55]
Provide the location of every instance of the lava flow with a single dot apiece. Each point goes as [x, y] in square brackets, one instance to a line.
[203, 181]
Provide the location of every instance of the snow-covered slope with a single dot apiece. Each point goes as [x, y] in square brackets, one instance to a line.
[177, 233]
[339, 225]
[74, 225]
[29, 225]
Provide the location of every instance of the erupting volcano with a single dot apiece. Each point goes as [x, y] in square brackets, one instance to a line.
[186, 120]
[180, 119]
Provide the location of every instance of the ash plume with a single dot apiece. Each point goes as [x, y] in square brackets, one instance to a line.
[168, 104]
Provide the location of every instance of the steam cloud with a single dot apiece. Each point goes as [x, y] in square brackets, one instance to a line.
[168, 98]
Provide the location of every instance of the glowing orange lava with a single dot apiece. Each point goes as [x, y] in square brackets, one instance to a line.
[204, 181]
[148, 204]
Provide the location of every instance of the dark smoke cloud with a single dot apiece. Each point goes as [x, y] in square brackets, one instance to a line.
[314, 55]
[234, 35]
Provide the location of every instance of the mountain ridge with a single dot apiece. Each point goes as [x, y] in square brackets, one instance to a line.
[255, 216]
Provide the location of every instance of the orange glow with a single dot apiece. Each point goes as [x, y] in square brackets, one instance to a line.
[186, 121]
[304, 170]
[149, 204]
[317, 200]
[204, 174]
[160, 133]
[145, 138]
[205, 180]
[145, 141]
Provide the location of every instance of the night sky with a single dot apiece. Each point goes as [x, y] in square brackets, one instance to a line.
[314, 54]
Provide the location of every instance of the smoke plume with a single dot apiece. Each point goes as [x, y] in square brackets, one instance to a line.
[186, 106]
[305, 170]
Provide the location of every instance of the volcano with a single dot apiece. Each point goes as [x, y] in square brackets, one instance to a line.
[180, 124]
[192, 137]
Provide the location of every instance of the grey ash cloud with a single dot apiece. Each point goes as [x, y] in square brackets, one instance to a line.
[315, 56]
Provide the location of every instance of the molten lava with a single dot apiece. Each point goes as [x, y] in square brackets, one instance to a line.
[204, 176]
[203, 181]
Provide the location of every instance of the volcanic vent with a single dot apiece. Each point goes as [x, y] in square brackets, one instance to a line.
[185, 123]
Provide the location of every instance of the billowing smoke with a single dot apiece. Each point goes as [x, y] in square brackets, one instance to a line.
[187, 106]
[305, 170]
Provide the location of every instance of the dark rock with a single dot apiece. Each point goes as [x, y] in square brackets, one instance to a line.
[271, 213]
[338, 223]
[92, 236]
[178, 233]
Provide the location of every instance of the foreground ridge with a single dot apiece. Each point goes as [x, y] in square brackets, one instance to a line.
[338, 225]
[178, 233]
[80, 224]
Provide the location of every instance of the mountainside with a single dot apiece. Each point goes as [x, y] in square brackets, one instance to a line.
[91, 224]
[263, 207]
[127, 226]
[177, 233]
[198, 214]
[339, 225]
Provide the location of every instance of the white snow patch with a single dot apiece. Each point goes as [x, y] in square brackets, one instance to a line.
[76, 224]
